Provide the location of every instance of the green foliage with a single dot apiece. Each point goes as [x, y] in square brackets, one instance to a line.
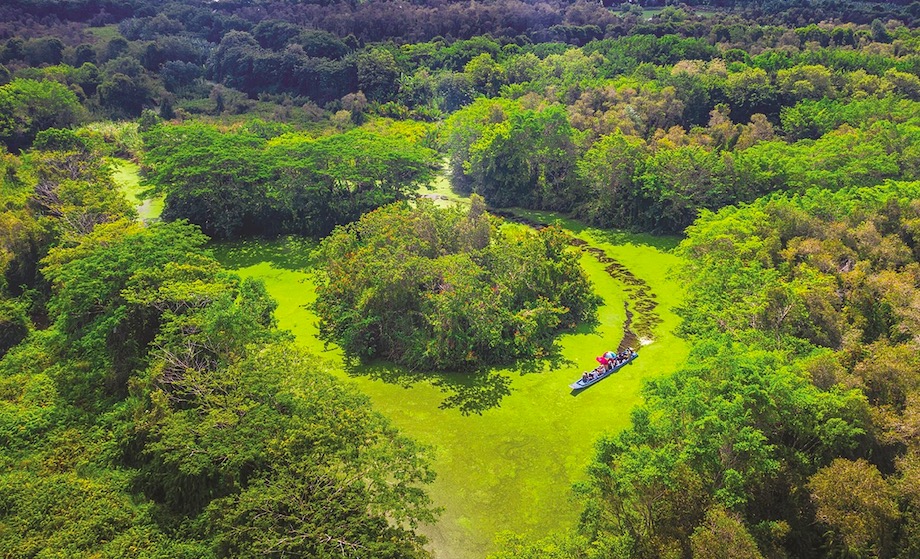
[106, 329]
[557, 546]
[206, 434]
[858, 505]
[55, 139]
[74, 189]
[14, 324]
[238, 183]
[743, 451]
[29, 106]
[441, 289]
[118, 139]
[721, 433]
[311, 483]
[513, 156]
[723, 536]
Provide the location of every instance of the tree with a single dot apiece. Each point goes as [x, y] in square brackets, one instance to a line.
[237, 183]
[200, 414]
[858, 505]
[485, 74]
[723, 536]
[29, 106]
[124, 95]
[805, 82]
[749, 91]
[609, 169]
[433, 288]
[46, 50]
[92, 308]
[377, 74]
[316, 487]
[214, 180]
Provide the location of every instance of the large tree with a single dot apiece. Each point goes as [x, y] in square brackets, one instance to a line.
[29, 106]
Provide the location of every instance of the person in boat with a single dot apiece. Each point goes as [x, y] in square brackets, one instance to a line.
[585, 376]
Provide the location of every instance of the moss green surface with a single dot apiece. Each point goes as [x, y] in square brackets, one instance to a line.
[104, 33]
[441, 192]
[127, 176]
[508, 444]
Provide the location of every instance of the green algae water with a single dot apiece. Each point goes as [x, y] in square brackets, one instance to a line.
[508, 444]
[126, 175]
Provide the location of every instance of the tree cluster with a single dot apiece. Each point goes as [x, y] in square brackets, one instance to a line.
[792, 431]
[420, 60]
[239, 182]
[149, 407]
[446, 289]
[651, 149]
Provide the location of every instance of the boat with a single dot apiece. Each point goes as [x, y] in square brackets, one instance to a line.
[579, 384]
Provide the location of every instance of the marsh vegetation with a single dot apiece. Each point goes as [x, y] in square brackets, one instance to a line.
[312, 279]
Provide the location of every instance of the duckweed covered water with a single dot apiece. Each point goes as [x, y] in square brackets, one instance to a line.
[508, 444]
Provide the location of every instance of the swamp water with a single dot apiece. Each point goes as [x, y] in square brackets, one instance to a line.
[507, 444]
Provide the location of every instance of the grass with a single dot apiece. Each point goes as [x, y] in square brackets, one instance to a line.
[104, 33]
[127, 176]
[508, 445]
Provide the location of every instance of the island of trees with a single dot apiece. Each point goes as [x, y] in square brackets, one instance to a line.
[150, 406]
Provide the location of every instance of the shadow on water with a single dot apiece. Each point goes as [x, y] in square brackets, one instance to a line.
[470, 392]
[287, 253]
[664, 243]
[552, 359]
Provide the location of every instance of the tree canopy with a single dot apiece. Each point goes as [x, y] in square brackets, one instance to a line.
[448, 289]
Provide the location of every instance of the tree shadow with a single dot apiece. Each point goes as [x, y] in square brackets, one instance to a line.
[664, 243]
[470, 393]
[287, 253]
[552, 359]
[473, 393]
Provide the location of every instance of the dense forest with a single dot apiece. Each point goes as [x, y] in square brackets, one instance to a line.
[151, 406]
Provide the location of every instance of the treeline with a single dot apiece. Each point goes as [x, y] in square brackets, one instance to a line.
[260, 181]
[448, 289]
[649, 149]
[183, 60]
[380, 20]
[792, 429]
[148, 405]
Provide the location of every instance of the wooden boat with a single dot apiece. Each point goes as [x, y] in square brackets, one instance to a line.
[579, 384]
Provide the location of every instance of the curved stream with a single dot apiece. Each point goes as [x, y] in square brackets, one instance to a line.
[639, 295]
